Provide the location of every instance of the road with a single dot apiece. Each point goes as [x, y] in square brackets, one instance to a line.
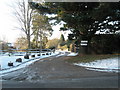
[55, 72]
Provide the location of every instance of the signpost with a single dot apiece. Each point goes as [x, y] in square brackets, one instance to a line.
[84, 44]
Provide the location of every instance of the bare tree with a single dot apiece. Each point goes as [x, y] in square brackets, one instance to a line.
[23, 13]
[21, 43]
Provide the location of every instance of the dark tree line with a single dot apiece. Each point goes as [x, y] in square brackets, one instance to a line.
[84, 19]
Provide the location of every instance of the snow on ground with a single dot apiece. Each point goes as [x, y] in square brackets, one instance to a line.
[108, 65]
[60, 55]
[4, 59]
[72, 54]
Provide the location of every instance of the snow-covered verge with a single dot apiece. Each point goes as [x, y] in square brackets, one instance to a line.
[72, 54]
[107, 65]
[4, 59]
[62, 53]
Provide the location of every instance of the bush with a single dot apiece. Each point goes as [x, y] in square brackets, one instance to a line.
[63, 47]
[38, 54]
[47, 53]
[10, 64]
[52, 47]
[32, 55]
[19, 60]
[26, 56]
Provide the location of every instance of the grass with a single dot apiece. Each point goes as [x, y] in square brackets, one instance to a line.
[88, 58]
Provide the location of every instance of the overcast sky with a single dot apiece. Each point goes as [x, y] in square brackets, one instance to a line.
[8, 23]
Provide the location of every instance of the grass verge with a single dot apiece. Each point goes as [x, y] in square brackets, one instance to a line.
[88, 58]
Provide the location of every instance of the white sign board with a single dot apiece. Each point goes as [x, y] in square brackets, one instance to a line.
[83, 42]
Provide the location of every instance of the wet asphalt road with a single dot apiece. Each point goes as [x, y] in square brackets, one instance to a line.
[95, 82]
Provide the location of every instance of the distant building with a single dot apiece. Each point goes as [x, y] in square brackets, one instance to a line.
[1, 45]
[10, 46]
[5, 46]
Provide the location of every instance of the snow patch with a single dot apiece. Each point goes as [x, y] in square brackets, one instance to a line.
[62, 53]
[109, 65]
[72, 54]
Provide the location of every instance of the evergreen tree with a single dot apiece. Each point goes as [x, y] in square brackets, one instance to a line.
[83, 19]
[62, 40]
[41, 28]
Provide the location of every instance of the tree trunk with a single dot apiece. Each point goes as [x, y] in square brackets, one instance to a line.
[84, 50]
[40, 44]
[29, 44]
